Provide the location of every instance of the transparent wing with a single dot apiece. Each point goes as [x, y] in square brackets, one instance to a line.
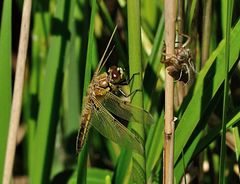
[125, 110]
[112, 129]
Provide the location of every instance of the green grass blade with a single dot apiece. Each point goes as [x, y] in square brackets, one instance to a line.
[94, 176]
[50, 97]
[124, 168]
[150, 14]
[223, 16]
[191, 13]
[193, 145]
[154, 142]
[125, 164]
[82, 158]
[236, 134]
[71, 89]
[135, 66]
[82, 165]
[154, 145]
[235, 121]
[5, 77]
[90, 55]
[40, 33]
[154, 66]
[226, 89]
[98, 176]
[200, 142]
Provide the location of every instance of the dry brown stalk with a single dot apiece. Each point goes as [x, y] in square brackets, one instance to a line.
[17, 93]
[170, 18]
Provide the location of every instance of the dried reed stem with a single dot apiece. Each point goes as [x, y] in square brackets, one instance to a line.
[18, 91]
[170, 17]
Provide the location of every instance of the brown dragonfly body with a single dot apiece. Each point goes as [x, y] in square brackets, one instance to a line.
[101, 102]
[98, 88]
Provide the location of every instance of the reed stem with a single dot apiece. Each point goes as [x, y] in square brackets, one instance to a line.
[168, 158]
[17, 93]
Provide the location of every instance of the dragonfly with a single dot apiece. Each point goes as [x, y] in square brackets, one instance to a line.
[100, 103]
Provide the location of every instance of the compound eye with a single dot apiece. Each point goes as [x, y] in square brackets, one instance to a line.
[114, 74]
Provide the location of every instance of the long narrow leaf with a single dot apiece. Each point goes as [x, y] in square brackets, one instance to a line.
[50, 99]
[82, 158]
[226, 89]
[5, 77]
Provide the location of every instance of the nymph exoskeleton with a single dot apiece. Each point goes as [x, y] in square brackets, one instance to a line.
[180, 65]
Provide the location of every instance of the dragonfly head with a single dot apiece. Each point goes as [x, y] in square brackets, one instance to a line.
[116, 74]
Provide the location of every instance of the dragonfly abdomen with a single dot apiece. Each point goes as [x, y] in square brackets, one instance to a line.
[83, 131]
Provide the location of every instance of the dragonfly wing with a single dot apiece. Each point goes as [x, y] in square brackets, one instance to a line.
[112, 129]
[125, 110]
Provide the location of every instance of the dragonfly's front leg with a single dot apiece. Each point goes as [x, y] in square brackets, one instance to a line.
[130, 94]
[128, 81]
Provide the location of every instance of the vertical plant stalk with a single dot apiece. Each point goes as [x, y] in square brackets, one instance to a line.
[82, 157]
[226, 89]
[168, 158]
[135, 65]
[207, 21]
[18, 91]
[5, 77]
[180, 85]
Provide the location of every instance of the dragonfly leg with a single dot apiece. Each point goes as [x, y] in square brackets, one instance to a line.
[128, 81]
[138, 73]
[130, 94]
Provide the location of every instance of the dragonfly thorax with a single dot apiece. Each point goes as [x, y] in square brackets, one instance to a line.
[109, 81]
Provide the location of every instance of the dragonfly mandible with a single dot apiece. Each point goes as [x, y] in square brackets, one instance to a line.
[101, 102]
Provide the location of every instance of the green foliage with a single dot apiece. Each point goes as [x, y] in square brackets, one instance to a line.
[67, 38]
[5, 77]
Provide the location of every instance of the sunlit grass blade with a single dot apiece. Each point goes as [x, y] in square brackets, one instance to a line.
[135, 66]
[5, 77]
[94, 176]
[223, 16]
[226, 89]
